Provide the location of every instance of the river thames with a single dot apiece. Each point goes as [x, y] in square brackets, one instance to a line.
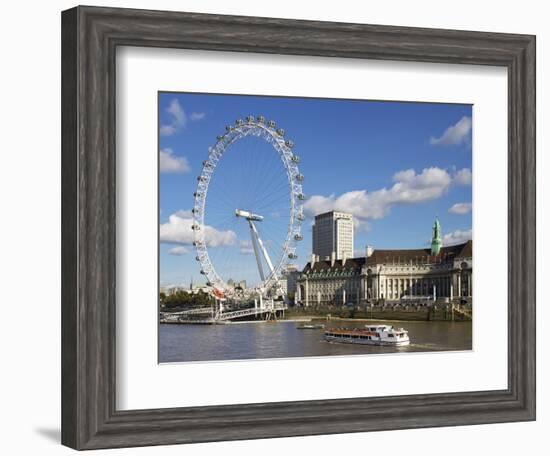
[283, 339]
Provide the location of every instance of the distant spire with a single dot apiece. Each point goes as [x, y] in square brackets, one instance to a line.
[191, 284]
[436, 238]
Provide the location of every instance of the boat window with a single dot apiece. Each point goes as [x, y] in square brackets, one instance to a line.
[390, 335]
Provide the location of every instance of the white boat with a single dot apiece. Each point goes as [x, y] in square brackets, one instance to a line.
[369, 335]
[311, 326]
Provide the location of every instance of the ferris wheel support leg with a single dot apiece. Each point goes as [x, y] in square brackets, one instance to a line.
[261, 244]
[253, 236]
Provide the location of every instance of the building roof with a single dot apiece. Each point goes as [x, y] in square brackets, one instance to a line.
[331, 214]
[339, 265]
[450, 253]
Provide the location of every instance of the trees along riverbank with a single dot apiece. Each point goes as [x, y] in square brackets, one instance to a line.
[182, 300]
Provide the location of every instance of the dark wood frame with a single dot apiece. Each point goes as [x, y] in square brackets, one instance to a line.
[90, 36]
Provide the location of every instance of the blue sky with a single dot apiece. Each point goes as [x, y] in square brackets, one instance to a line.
[395, 166]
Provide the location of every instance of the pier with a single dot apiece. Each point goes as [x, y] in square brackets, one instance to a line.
[217, 314]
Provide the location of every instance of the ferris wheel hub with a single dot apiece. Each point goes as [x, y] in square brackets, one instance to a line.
[248, 215]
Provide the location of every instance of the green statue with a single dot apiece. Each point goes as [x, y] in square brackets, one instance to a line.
[436, 238]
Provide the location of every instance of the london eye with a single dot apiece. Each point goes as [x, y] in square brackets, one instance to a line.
[248, 210]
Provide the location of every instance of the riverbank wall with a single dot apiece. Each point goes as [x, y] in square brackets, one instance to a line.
[425, 313]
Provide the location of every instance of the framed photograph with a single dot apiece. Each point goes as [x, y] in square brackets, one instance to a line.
[269, 227]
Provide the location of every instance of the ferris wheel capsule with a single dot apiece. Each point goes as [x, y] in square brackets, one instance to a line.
[271, 124]
[280, 132]
[289, 143]
[260, 119]
[295, 159]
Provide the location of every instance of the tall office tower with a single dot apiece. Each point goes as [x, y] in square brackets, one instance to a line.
[332, 236]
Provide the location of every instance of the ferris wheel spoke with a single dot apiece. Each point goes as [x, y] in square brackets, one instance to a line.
[267, 198]
[263, 192]
[272, 201]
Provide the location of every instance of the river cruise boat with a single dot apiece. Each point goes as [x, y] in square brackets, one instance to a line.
[369, 335]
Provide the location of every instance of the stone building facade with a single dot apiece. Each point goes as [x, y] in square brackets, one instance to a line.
[332, 236]
[390, 275]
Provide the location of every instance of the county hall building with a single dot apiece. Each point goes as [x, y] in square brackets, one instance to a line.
[381, 275]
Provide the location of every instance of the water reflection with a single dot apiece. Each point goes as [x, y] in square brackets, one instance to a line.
[260, 340]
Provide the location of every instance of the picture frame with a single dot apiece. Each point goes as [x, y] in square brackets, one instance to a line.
[90, 36]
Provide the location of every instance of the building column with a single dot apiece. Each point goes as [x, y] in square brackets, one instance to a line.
[400, 288]
[306, 290]
[459, 286]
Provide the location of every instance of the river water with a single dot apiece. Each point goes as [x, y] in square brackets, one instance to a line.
[282, 339]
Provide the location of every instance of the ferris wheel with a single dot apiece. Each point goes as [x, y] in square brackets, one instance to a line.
[248, 209]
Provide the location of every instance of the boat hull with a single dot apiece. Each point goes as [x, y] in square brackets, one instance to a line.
[347, 340]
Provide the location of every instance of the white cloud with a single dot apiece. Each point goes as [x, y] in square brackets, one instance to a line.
[170, 163]
[197, 116]
[178, 231]
[360, 225]
[455, 134]
[463, 177]
[461, 208]
[178, 119]
[246, 247]
[457, 237]
[167, 130]
[178, 114]
[179, 250]
[408, 188]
